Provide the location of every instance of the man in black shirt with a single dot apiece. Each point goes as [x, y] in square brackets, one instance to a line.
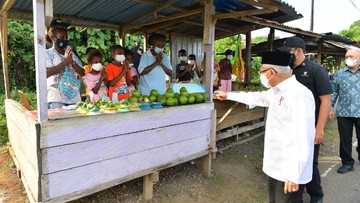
[184, 72]
[316, 79]
[137, 52]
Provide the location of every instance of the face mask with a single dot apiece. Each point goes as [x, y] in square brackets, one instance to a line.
[264, 81]
[292, 60]
[351, 62]
[158, 50]
[183, 58]
[62, 43]
[120, 58]
[191, 62]
[96, 66]
[131, 64]
[229, 57]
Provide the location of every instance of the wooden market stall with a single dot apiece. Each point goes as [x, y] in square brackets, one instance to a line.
[66, 156]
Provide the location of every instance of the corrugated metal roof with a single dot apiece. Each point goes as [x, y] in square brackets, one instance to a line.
[112, 14]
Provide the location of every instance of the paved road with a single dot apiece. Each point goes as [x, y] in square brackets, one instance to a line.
[340, 188]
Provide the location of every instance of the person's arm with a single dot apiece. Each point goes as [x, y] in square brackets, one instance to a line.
[166, 69]
[250, 98]
[102, 79]
[56, 69]
[74, 63]
[158, 61]
[197, 70]
[179, 75]
[322, 117]
[118, 77]
[334, 96]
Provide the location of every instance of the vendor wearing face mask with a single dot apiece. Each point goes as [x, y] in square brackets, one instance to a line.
[316, 79]
[225, 71]
[60, 60]
[118, 72]
[154, 64]
[184, 72]
[289, 131]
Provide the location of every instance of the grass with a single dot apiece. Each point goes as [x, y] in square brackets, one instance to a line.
[14, 95]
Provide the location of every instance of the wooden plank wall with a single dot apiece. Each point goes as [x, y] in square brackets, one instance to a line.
[24, 141]
[86, 153]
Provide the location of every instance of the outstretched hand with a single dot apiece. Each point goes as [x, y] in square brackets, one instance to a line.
[220, 95]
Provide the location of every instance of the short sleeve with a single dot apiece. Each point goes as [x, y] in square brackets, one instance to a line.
[133, 71]
[49, 57]
[143, 62]
[166, 62]
[322, 81]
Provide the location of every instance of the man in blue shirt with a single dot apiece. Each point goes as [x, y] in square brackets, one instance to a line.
[347, 90]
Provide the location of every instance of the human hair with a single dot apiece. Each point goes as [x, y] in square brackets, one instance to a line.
[128, 52]
[192, 55]
[87, 53]
[92, 54]
[55, 30]
[115, 47]
[155, 37]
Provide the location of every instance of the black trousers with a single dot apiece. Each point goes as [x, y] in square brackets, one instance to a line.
[345, 127]
[277, 195]
[314, 188]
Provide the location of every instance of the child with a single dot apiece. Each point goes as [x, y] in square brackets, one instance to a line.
[119, 75]
[96, 79]
[195, 69]
[87, 67]
[130, 58]
[183, 69]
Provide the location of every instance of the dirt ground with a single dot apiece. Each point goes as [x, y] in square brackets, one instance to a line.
[237, 177]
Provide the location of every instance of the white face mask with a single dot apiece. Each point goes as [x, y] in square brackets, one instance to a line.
[191, 62]
[351, 62]
[131, 64]
[158, 50]
[96, 66]
[264, 81]
[229, 57]
[182, 58]
[120, 58]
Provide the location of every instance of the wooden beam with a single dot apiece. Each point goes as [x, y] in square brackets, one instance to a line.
[154, 3]
[202, 25]
[208, 40]
[242, 13]
[7, 5]
[166, 19]
[248, 58]
[148, 185]
[271, 38]
[40, 64]
[49, 13]
[273, 24]
[264, 5]
[158, 8]
[4, 52]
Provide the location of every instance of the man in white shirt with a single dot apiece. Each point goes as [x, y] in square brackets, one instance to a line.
[289, 131]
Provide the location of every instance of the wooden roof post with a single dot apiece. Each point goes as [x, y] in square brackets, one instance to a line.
[40, 64]
[208, 39]
[271, 37]
[319, 52]
[4, 53]
[121, 35]
[49, 13]
[248, 58]
[146, 43]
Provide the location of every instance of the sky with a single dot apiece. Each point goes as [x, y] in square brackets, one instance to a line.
[329, 16]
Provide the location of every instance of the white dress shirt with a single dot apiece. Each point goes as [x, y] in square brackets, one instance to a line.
[289, 131]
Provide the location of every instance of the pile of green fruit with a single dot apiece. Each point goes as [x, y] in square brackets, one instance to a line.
[170, 98]
[252, 88]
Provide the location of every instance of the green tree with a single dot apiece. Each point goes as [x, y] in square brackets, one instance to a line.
[353, 32]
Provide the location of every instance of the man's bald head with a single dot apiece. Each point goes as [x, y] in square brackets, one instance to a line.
[352, 58]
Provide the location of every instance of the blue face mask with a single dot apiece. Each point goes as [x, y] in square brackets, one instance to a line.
[62, 43]
[158, 50]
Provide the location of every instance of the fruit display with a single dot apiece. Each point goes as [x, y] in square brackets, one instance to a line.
[138, 102]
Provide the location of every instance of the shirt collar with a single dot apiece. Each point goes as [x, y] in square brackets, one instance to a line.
[286, 83]
[348, 69]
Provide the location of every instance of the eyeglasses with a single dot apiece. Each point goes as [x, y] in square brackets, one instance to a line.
[263, 71]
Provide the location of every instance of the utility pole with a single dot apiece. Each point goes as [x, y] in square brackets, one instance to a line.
[312, 16]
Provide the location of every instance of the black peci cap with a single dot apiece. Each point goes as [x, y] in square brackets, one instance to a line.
[276, 58]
